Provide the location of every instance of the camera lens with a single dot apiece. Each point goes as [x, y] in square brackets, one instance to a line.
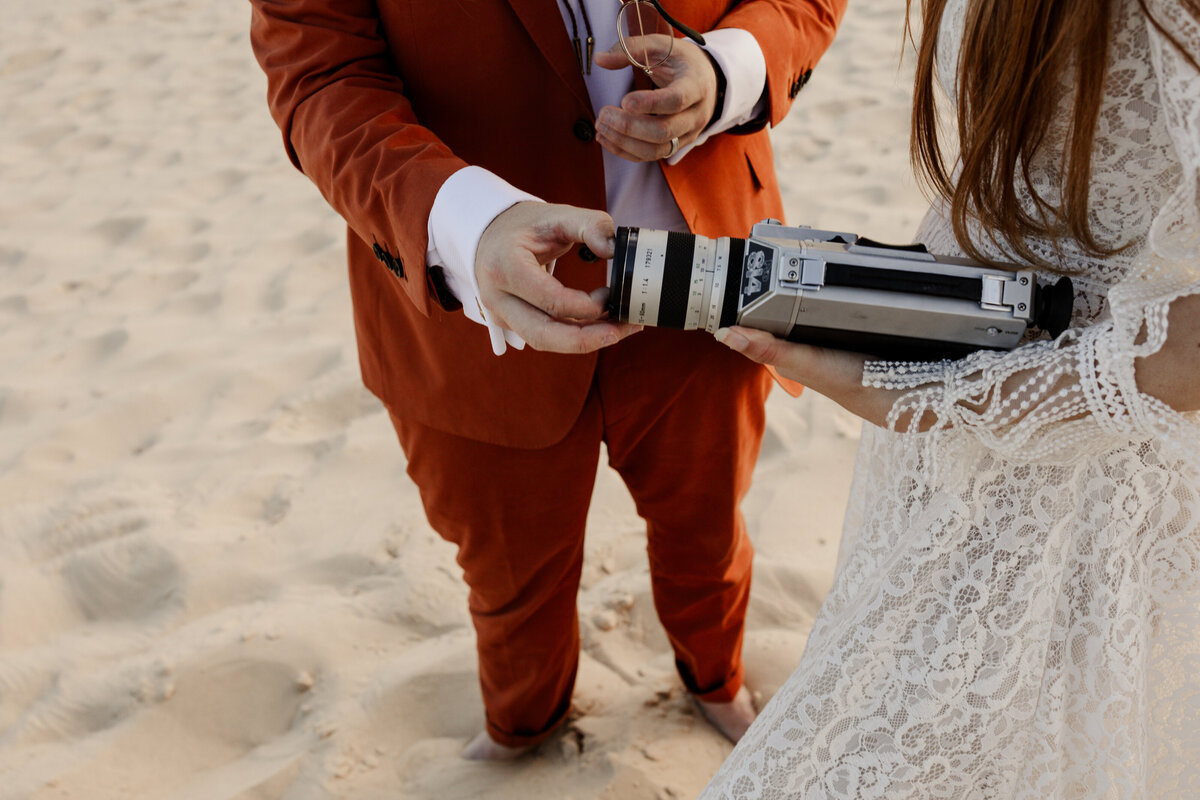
[675, 280]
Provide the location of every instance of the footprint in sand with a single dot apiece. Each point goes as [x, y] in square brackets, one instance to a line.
[11, 257]
[216, 184]
[14, 304]
[210, 719]
[242, 699]
[105, 345]
[322, 411]
[435, 691]
[111, 567]
[80, 523]
[91, 142]
[47, 136]
[77, 703]
[782, 596]
[127, 579]
[117, 230]
[29, 59]
[774, 442]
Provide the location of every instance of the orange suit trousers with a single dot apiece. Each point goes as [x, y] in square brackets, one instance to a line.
[682, 418]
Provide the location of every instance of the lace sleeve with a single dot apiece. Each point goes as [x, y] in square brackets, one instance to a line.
[1053, 400]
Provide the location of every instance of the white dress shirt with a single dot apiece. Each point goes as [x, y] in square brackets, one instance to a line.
[637, 193]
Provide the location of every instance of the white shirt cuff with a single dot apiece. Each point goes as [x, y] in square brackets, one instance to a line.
[741, 59]
[465, 205]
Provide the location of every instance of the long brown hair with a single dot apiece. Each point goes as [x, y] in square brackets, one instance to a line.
[1013, 56]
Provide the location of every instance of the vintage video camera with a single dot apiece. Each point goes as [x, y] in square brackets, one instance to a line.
[830, 288]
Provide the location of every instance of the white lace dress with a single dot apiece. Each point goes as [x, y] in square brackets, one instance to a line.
[1016, 612]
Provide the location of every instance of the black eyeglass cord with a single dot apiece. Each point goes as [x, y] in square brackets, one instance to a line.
[585, 64]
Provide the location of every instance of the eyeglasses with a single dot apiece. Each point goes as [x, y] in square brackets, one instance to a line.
[644, 31]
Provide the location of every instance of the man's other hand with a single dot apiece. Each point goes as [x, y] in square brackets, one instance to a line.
[680, 107]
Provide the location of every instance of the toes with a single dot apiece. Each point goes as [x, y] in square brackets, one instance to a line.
[483, 748]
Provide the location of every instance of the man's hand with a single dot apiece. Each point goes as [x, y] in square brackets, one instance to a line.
[682, 105]
[512, 266]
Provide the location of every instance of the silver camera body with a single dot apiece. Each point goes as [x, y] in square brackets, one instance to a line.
[830, 288]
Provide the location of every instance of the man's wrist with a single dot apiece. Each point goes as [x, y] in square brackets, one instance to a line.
[722, 83]
[465, 206]
[743, 67]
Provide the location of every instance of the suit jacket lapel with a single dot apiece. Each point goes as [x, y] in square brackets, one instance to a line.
[543, 20]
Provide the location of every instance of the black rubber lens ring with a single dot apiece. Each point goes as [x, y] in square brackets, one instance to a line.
[677, 276]
[733, 282]
[624, 259]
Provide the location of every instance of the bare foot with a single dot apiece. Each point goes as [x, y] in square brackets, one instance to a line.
[482, 748]
[732, 718]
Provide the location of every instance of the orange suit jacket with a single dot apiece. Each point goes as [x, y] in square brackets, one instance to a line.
[380, 101]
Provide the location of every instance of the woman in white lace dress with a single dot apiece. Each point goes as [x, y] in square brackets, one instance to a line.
[1016, 611]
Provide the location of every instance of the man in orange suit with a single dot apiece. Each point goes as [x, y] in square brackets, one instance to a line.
[480, 152]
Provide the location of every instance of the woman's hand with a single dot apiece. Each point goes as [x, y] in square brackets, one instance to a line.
[1171, 375]
[837, 374]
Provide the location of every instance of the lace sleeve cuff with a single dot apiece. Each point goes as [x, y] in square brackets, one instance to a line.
[1045, 401]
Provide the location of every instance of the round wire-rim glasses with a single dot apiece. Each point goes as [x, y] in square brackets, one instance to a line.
[639, 19]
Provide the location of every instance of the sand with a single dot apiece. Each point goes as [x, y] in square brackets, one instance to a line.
[216, 580]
